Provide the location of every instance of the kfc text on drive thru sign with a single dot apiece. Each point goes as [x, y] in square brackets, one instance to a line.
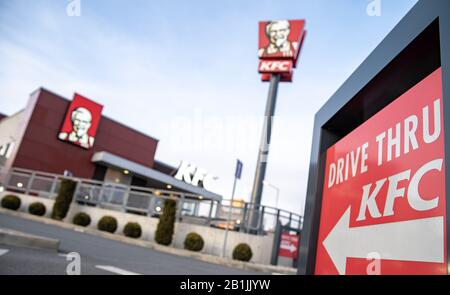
[288, 245]
[384, 190]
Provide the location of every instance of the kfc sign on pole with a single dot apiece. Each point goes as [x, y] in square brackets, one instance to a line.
[384, 191]
[81, 122]
[280, 42]
[279, 46]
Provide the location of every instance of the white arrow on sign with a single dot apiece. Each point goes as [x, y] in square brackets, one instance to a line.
[289, 247]
[413, 240]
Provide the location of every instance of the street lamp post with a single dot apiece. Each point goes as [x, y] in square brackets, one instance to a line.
[277, 190]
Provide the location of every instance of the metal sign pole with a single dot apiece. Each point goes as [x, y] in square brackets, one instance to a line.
[276, 243]
[228, 219]
[237, 175]
[264, 150]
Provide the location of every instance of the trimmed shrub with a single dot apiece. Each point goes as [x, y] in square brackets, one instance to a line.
[64, 198]
[82, 219]
[164, 230]
[193, 242]
[37, 208]
[242, 252]
[132, 230]
[11, 202]
[108, 224]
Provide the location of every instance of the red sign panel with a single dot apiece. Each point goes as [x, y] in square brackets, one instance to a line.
[81, 122]
[383, 207]
[289, 245]
[279, 41]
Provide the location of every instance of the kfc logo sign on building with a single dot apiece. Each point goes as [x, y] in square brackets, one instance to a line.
[279, 47]
[384, 190]
[195, 176]
[81, 122]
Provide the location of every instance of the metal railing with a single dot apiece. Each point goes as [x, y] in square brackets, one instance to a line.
[146, 201]
[267, 217]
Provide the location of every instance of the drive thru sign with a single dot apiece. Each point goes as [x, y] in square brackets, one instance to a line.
[384, 190]
[289, 245]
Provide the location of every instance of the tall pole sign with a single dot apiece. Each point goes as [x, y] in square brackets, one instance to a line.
[280, 42]
[378, 192]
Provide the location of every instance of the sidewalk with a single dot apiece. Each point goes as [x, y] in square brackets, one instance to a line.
[157, 247]
[16, 238]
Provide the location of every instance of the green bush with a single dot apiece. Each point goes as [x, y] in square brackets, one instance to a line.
[107, 223]
[242, 252]
[64, 198]
[37, 208]
[11, 202]
[132, 230]
[164, 230]
[193, 242]
[82, 219]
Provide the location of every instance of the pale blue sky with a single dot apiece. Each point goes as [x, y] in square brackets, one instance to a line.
[185, 72]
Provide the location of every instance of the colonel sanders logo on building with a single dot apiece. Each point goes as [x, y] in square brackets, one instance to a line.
[81, 122]
[277, 33]
[280, 39]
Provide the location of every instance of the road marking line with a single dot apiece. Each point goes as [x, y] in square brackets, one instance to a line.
[116, 270]
[3, 251]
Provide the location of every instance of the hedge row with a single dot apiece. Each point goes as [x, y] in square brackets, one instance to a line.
[109, 224]
[13, 202]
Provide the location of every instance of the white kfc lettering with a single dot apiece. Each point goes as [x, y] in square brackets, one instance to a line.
[185, 172]
[195, 176]
[270, 66]
[415, 201]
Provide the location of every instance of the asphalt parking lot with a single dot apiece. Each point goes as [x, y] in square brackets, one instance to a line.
[98, 256]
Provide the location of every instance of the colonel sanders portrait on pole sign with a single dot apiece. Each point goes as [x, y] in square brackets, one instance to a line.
[81, 122]
[277, 33]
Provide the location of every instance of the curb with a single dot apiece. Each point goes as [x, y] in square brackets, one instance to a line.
[16, 238]
[154, 246]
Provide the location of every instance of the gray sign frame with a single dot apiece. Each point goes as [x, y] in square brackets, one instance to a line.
[418, 45]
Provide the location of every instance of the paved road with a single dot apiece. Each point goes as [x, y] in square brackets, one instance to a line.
[98, 255]
[26, 261]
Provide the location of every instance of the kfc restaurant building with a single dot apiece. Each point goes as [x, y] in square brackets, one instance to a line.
[55, 135]
[115, 170]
